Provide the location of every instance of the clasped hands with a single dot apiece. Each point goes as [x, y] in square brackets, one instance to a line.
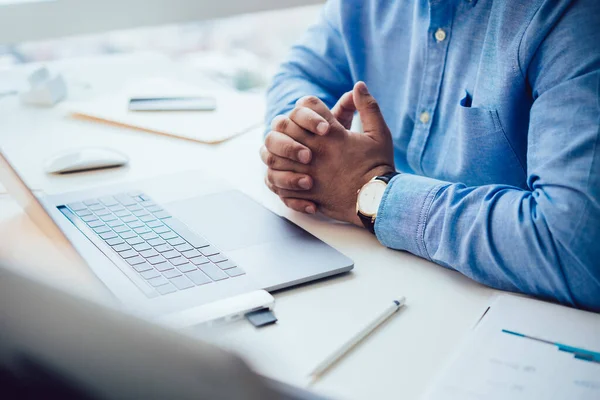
[315, 163]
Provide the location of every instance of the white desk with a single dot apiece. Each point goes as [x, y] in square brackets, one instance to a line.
[398, 361]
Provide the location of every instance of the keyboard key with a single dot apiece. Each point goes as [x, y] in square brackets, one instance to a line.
[146, 203]
[127, 234]
[96, 207]
[83, 213]
[165, 266]
[141, 267]
[121, 247]
[134, 207]
[89, 218]
[182, 283]
[115, 241]
[77, 206]
[141, 247]
[125, 199]
[108, 201]
[147, 218]
[162, 215]
[102, 229]
[161, 248]
[90, 202]
[148, 253]
[158, 281]
[116, 208]
[140, 213]
[144, 197]
[108, 217]
[135, 224]
[149, 235]
[156, 260]
[209, 250]
[191, 253]
[156, 242]
[226, 264]
[168, 235]
[187, 267]
[115, 223]
[142, 229]
[96, 223]
[213, 272]
[171, 273]
[183, 247]
[237, 271]
[120, 229]
[128, 219]
[154, 208]
[135, 260]
[199, 260]
[166, 289]
[183, 231]
[161, 229]
[170, 254]
[198, 277]
[122, 213]
[178, 260]
[154, 224]
[128, 253]
[135, 240]
[108, 235]
[102, 212]
[151, 273]
[217, 258]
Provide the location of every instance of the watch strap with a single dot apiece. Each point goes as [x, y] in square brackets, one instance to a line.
[367, 222]
[387, 177]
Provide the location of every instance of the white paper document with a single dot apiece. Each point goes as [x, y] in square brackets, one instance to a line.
[235, 113]
[525, 349]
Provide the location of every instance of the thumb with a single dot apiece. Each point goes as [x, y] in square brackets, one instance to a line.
[344, 110]
[370, 115]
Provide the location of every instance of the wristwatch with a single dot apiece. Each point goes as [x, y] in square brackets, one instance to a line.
[369, 197]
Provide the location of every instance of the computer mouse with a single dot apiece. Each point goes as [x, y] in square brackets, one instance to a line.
[85, 159]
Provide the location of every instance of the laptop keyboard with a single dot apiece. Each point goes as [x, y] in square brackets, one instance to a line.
[160, 248]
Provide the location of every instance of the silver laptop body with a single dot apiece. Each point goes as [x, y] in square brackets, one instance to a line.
[255, 248]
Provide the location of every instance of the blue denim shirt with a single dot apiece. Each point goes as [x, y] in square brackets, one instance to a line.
[494, 110]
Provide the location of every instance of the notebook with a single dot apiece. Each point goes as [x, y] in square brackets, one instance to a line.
[235, 113]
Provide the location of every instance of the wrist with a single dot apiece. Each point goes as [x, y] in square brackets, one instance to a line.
[370, 195]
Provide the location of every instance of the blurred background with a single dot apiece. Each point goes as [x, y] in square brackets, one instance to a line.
[238, 42]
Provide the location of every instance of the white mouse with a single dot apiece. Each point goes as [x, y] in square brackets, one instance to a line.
[85, 159]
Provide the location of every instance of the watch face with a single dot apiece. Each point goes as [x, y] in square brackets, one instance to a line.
[370, 196]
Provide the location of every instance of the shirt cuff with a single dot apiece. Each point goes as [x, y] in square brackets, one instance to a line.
[404, 211]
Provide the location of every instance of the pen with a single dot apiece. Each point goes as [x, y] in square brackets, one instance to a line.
[330, 361]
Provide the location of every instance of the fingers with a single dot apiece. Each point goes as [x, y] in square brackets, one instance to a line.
[289, 180]
[315, 104]
[344, 109]
[297, 204]
[310, 120]
[282, 145]
[281, 164]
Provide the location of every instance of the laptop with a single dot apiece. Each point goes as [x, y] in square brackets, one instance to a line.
[170, 245]
[59, 345]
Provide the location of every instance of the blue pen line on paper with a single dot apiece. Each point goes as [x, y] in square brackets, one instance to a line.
[578, 353]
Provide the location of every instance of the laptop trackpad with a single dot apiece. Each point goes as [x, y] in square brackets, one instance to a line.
[231, 220]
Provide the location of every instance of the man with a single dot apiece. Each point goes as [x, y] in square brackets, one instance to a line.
[488, 111]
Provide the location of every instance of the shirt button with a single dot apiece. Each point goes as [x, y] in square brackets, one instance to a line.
[424, 117]
[440, 35]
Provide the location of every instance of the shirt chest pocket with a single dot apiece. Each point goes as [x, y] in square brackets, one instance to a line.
[479, 152]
